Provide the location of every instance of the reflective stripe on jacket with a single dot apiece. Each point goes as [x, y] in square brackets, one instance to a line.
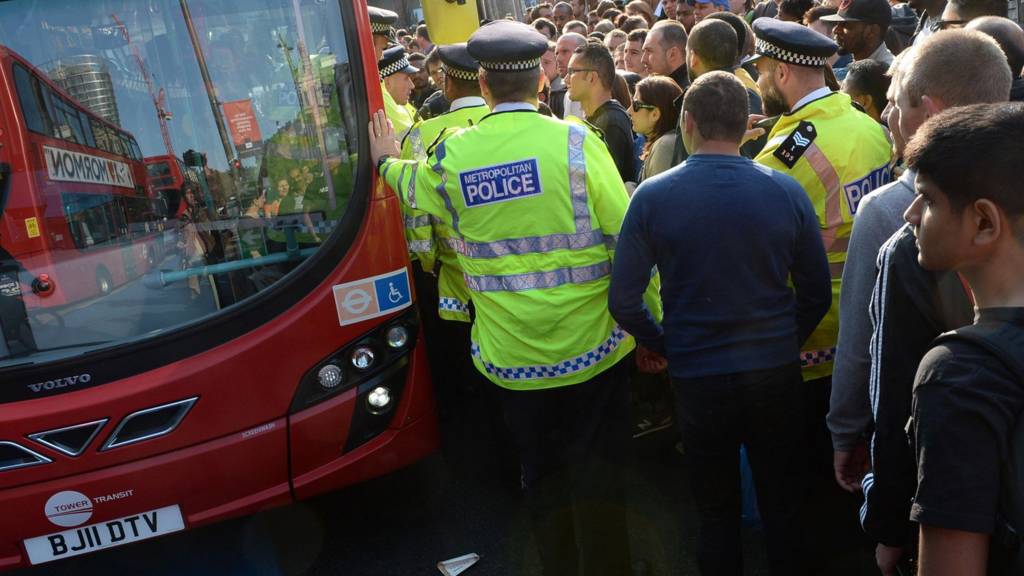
[848, 157]
[535, 206]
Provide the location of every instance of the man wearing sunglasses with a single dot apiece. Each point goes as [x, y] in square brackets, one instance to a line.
[589, 77]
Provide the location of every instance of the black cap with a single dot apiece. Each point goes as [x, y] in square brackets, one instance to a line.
[791, 43]
[507, 46]
[382, 21]
[395, 61]
[870, 11]
[457, 63]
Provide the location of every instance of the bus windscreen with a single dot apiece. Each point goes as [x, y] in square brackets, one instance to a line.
[167, 163]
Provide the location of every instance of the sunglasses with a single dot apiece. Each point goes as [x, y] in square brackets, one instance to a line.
[638, 106]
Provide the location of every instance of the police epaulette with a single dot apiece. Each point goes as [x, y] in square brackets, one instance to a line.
[794, 146]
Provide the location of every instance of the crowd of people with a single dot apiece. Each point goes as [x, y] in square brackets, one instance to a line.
[793, 227]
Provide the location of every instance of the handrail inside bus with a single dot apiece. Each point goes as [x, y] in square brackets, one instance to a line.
[163, 278]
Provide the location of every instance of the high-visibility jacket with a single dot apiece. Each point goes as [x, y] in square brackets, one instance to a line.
[430, 233]
[400, 116]
[535, 205]
[839, 155]
[420, 245]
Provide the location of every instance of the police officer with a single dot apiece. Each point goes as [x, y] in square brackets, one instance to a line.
[430, 240]
[396, 74]
[462, 89]
[839, 155]
[382, 25]
[535, 206]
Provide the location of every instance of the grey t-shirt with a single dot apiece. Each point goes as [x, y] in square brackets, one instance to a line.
[879, 215]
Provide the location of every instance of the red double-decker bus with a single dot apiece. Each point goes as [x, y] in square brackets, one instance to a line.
[265, 347]
[76, 205]
[167, 176]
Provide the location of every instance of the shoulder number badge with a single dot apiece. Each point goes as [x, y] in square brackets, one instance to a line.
[793, 147]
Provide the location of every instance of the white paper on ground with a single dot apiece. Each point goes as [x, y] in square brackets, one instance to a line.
[456, 566]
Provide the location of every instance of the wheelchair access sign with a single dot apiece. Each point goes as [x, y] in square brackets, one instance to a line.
[372, 297]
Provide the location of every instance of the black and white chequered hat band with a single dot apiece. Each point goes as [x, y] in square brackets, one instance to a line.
[378, 28]
[459, 73]
[770, 50]
[519, 66]
[394, 68]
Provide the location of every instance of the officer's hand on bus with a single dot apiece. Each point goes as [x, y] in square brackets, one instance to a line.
[382, 138]
[753, 132]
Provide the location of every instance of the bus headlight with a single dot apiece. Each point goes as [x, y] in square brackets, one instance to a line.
[379, 399]
[329, 376]
[378, 358]
[363, 357]
[397, 337]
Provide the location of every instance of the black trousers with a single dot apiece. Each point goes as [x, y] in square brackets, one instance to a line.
[835, 537]
[762, 410]
[573, 445]
[426, 300]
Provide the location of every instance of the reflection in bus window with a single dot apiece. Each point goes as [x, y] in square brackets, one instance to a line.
[28, 93]
[91, 218]
[221, 99]
[66, 121]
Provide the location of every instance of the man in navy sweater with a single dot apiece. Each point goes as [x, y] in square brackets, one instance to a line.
[745, 281]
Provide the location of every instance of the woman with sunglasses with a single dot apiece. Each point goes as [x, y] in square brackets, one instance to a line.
[655, 116]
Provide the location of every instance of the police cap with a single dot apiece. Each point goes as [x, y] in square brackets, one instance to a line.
[395, 61]
[457, 63]
[791, 43]
[507, 46]
[382, 21]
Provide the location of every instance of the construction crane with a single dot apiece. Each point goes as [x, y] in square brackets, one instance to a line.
[159, 96]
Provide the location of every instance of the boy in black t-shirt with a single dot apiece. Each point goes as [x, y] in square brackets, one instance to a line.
[968, 217]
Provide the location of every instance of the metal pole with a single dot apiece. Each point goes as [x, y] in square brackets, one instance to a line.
[211, 93]
[159, 279]
[310, 87]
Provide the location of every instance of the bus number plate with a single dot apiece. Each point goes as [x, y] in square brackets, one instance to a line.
[85, 539]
